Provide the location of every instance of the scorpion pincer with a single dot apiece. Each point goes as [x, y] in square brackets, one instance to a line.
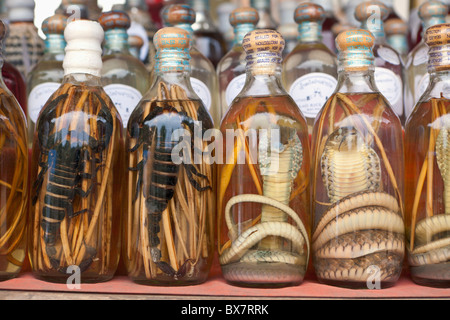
[157, 135]
[63, 161]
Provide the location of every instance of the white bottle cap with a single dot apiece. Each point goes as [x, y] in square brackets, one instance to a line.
[83, 50]
[20, 10]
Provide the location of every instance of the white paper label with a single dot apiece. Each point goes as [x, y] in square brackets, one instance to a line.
[125, 98]
[389, 85]
[38, 98]
[422, 86]
[421, 56]
[234, 88]
[389, 55]
[203, 92]
[312, 91]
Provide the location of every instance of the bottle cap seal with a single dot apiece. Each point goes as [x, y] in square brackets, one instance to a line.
[115, 20]
[355, 50]
[309, 12]
[245, 15]
[438, 40]
[172, 45]
[55, 24]
[20, 10]
[178, 14]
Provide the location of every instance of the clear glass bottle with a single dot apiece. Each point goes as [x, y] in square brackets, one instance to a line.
[397, 36]
[22, 34]
[266, 20]
[231, 69]
[47, 75]
[310, 70]
[76, 170]
[389, 69]
[13, 180]
[328, 36]
[417, 77]
[263, 195]
[203, 73]
[427, 184]
[125, 78]
[358, 176]
[208, 39]
[169, 225]
[288, 27]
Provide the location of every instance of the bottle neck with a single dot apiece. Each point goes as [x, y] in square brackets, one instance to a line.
[116, 41]
[356, 72]
[240, 31]
[428, 23]
[82, 79]
[376, 27]
[309, 31]
[55, 45]
[399, 42]
[172, 62]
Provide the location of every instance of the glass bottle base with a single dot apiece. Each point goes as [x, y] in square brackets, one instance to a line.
[436, 275]
[263, 275]
[358, 285]
[168, 282]
[71, 279]
[4, 276]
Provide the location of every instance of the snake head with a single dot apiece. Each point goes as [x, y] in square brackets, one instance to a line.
[345, 139]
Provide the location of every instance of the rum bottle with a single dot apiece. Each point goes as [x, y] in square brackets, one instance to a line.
[231, 69]
[13, 180]
[263, 195]
[203, 73]
[389, 70]
[427, 184]
[358, 175]
[125, 78]
[47, 75]
[310, 70]
[397, 36]
[169, 226]
[76, 173]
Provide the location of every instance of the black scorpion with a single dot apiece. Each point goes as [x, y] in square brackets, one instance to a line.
[157, 130]
[63, 158]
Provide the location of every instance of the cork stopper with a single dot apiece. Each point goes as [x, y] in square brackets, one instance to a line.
[355, 50]
[309, 11]
[55, 24]
[396, 26]
[172, 45]
[178, 14]
[20, 10]
[431, 10]
[264, 49]
[244, 15]
[438, 40]
[115, 20]
[83, 50]
[135, 42]
[371, 9]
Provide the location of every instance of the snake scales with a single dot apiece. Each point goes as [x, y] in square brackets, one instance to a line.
[363, 227]
[431, 254]
[258, 254]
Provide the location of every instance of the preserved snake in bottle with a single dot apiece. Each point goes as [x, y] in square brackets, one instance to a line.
[427, 140]
[76, 170]
[358, 234]
[263, 196]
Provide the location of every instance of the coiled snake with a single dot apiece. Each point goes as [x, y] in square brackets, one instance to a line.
[432, 234]
[256, 255]
[363, 228]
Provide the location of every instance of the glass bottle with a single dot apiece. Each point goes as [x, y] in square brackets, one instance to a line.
[417, 77]
[358, 175]
[76, 172]
[427, 146]
[203, 73]
[16, 84]
[22, 34]
[396, 35]
[125, 78]
[389, 70]
[288, 28]
[208, 39]
[310, 70]
[169, 227]
[13, 180]
[266, 20]
[328, 36]
[263, 196]
[47, 75]
[231, 69]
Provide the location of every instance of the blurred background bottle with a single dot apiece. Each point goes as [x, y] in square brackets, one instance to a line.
[266, 20]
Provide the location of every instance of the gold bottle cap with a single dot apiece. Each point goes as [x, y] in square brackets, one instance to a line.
[115, 20]
[355, 49]
[438, 40]
[245, 15]
[172, 45]
[178, 14]
[432, 9]
[264, 49]
[309, 11]
[54, 25]
[396, 26]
